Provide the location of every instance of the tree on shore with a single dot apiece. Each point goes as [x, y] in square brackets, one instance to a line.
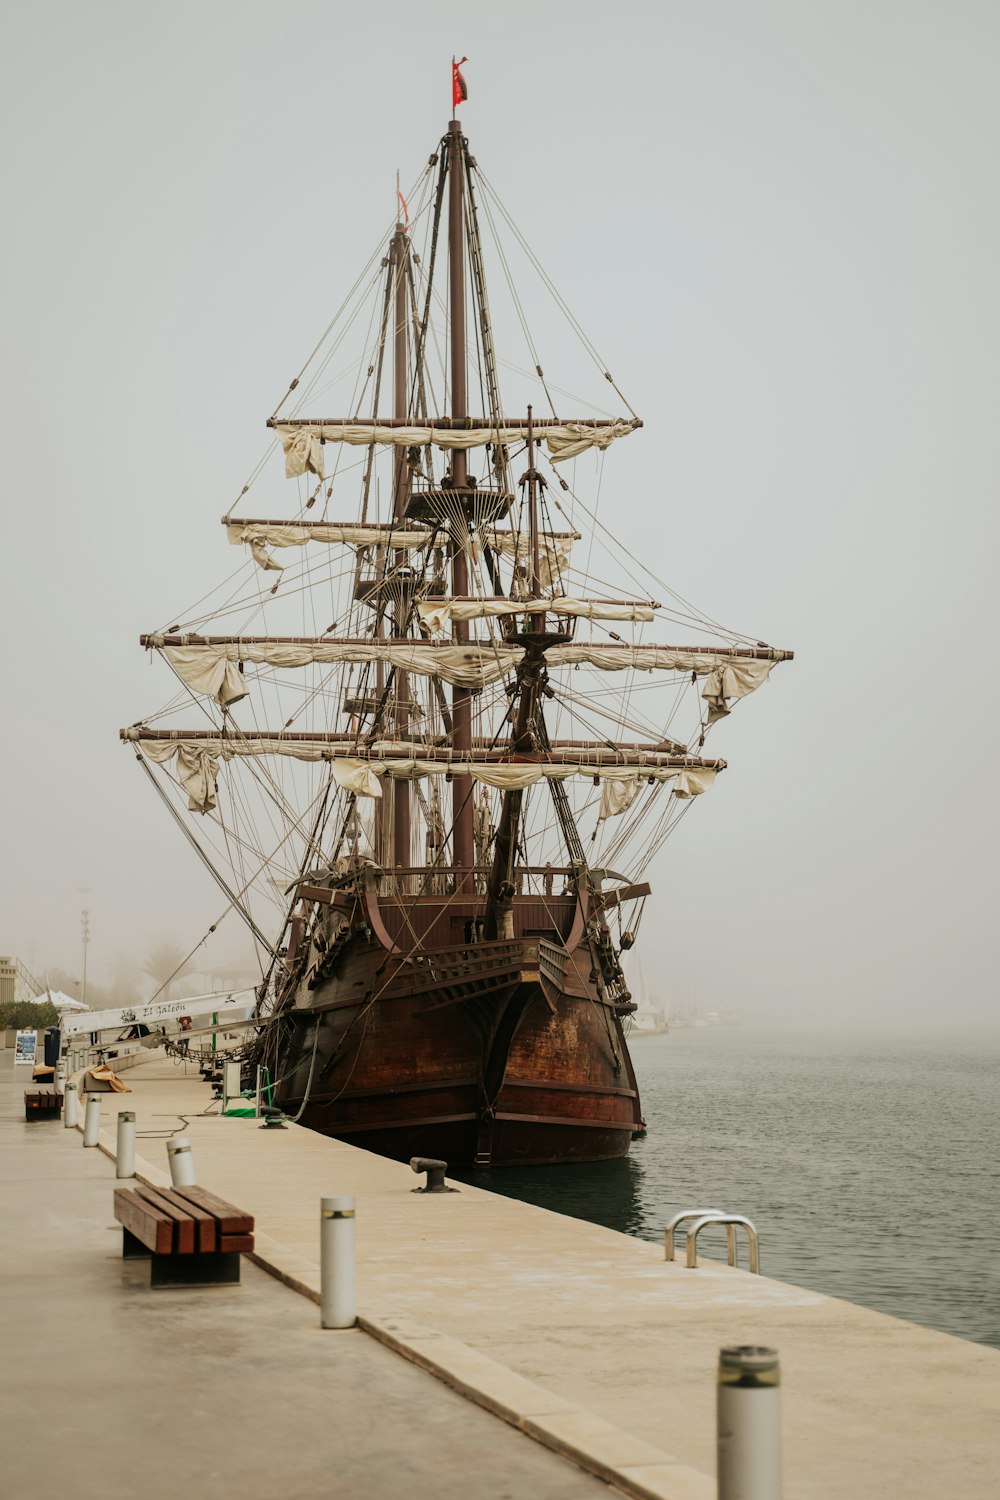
[126, 983]
[165, 964]
[25, 1015]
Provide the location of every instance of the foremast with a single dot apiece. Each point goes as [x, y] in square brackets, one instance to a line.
[527, 720]
[530, 736]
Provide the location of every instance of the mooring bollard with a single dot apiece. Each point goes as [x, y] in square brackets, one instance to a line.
[181, 1159]
[749, 1423]
[71, 1106]
[125, 1154]
[435, 1174]
[92, 1120]
[338, 1307]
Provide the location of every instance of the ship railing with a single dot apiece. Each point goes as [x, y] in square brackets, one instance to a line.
[415, 880]
[428, 880]
[483, 504]
[703, 1218]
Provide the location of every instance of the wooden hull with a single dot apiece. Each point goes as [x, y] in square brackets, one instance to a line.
[495, 1054]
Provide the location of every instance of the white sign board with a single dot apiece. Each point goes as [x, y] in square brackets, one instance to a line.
[159, 1013]
[25, 1048]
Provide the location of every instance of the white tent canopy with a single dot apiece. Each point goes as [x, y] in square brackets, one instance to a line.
[60, 1001]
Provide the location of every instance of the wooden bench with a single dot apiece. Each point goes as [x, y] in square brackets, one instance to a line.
[192, 1237]
[42, 1102]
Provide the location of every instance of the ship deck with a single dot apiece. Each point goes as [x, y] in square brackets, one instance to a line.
[584, 1338]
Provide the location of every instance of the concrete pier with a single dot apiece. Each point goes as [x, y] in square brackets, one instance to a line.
[584, 1338]
[110, 1391]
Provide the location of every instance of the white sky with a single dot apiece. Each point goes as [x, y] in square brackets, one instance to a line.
[779, 220]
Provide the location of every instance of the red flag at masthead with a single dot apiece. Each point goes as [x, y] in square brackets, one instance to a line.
[459, 92]
[402, 203]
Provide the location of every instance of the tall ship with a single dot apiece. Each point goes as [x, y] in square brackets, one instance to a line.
[648, 1018]
[439, 732]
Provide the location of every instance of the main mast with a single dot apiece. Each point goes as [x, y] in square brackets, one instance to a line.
[399, 257]
[463, 841]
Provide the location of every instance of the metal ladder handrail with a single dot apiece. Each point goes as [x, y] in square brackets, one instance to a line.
[731, 1222]
[698, 1213]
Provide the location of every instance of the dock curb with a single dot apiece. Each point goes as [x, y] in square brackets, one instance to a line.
[630, 1464]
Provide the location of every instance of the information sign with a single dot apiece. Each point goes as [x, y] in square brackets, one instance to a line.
[25, 1048]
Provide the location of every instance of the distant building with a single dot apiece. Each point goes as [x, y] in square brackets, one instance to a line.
[16, 984]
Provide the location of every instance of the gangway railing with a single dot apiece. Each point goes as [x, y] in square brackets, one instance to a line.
[704, 1218]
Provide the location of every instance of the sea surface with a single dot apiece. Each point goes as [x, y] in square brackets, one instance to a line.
[870, 1165]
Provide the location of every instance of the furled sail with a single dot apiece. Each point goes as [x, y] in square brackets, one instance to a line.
[437, 614]
[729, 675]
[303, 440]
[209, 672]
[472, 665]
[554, 547]
[358, 770]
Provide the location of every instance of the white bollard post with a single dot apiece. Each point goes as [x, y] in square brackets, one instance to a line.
[337, 1264]
[71, 1106]
[92, 1120]
[60, 1077]
[125, 1153]
[181, 1159]
[749, 1423]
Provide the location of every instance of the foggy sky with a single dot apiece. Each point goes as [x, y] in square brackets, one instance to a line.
[781, 223]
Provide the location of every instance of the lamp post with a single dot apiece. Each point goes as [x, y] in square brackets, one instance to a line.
[85, 931]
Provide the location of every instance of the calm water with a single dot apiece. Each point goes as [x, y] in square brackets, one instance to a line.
[871, 1167]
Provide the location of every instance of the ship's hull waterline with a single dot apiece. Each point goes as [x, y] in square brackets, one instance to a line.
[471, 1054]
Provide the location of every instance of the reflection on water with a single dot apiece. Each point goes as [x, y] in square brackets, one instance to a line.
[605, 1192]
[868, 1164]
